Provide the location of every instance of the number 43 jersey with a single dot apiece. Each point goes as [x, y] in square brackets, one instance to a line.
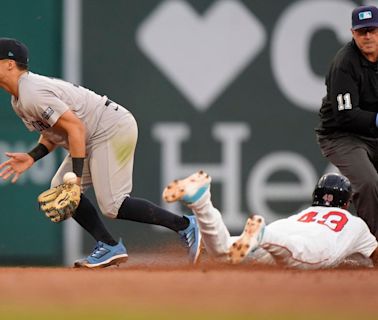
[318, 237]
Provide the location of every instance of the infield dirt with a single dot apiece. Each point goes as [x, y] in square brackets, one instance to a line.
[146, 288]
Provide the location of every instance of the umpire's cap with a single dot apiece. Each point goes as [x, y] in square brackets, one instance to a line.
[14, 50]
[365, 17]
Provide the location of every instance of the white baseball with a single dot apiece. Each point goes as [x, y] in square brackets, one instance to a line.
[70, 178]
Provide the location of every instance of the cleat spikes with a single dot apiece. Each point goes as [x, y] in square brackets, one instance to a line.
[248, 241]
[187, 190]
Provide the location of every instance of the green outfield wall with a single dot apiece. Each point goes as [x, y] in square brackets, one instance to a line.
[26, 236]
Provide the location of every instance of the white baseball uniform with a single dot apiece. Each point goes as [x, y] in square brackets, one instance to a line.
[111, 134]
[317, 237]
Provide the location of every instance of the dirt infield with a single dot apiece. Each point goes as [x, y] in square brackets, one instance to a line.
[153, 290]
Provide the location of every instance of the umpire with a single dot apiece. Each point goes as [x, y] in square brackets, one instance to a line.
[348, 129]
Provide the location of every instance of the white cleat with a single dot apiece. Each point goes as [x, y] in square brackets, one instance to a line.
[249, 240]
[188, 190]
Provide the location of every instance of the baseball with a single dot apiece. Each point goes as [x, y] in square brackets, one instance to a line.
[70, 178]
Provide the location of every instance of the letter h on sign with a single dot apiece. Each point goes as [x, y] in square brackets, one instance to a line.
[227, 172]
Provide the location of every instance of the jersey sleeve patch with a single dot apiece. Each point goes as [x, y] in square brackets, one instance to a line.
[46, 114]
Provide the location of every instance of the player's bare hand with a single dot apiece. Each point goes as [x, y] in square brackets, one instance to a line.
[15, 166]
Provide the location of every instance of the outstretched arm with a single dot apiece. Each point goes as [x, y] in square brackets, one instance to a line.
[16, 165]
[75, 130]
[19, 162]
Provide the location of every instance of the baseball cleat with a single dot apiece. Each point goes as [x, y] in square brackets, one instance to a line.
[103, 256]
[188, 190]
[191, 236]
[249, 240]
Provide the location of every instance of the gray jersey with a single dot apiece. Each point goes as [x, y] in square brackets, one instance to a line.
[111, 134]
[42, 100]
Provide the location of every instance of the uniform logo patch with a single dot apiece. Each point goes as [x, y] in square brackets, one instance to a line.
[47, 113]
[365, 15]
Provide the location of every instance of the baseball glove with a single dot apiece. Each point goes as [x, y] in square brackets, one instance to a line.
[60, 203]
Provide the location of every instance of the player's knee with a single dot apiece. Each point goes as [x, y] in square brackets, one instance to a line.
[109, 210]
[109, 214]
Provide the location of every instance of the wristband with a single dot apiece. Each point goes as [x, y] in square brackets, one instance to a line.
[77, 166]
[38, 152]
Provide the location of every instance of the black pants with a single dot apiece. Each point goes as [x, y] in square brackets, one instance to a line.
[357, 158]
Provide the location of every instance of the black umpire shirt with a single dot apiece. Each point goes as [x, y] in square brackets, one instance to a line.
[351, 103]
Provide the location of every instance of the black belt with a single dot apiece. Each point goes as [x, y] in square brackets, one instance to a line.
[108, 102]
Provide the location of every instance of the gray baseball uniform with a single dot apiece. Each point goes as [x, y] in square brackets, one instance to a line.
[111, 134]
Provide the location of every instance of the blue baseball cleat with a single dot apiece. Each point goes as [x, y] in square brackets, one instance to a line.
[248, 241]
[103, 256]
[191, 236]
[188, 190]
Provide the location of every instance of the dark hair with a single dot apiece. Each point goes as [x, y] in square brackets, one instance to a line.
[22, 66]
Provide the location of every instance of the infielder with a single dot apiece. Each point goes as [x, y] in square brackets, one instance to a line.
[321, 236]
[100, 136]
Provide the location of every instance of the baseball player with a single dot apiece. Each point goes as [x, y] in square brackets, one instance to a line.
[348, 129]
[321, 236]
[100, 136]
